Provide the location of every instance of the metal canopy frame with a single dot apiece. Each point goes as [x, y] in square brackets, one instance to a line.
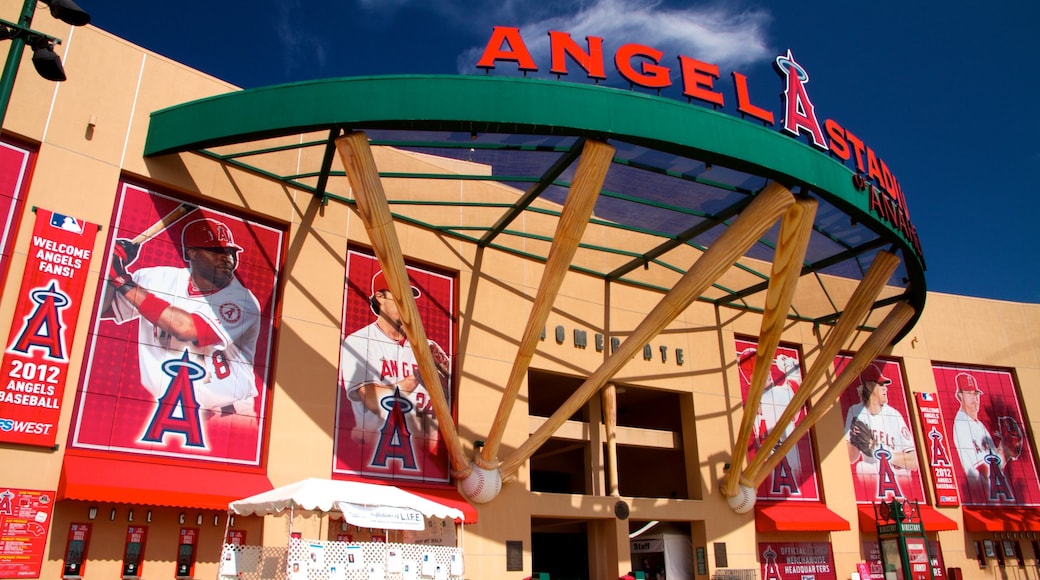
[679, 176]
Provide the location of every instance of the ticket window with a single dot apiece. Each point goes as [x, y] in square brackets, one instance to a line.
[133, 553]
[76, 550]
[186, 552]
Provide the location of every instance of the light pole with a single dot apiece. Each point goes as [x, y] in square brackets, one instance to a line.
[47, 63]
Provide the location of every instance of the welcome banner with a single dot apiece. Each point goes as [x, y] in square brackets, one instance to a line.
[36, 361]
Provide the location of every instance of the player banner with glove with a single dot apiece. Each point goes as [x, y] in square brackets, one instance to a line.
[386, 426]
[882, 451]
[186, 309]
[993, 465]
[36, 362]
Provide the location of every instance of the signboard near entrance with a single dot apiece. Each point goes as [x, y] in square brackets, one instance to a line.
[796, 560]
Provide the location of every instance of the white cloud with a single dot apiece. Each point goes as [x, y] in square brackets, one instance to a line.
[716, 33]
[294, 41]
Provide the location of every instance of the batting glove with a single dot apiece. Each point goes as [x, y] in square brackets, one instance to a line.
[123, 253]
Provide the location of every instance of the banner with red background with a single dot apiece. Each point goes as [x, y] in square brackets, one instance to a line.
[412, 449]
[892, 469]
[938, 446]
[25, 518]
[991, 441]
[794, 478]
[147, 392]
[14, 179]
[36, 361]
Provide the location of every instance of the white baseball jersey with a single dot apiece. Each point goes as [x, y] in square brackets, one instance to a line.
[233, 315]
[370, 356]
[773, 403]
[889, 430]
[973, 442]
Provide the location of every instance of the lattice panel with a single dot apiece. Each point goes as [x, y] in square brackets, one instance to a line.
[322, 560]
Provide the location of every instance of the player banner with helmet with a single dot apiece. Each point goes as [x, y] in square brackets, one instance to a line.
[36, 361]
[14, 172]
[794, 477]
[178, 361]
[385, 423]
[937, 443]
[882, 452]
[994, 464]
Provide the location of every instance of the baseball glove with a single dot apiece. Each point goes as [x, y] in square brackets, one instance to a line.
[1011, 437]
[861, 437]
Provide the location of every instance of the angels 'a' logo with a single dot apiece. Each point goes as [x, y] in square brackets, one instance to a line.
[43, 329]
[230, 312]
[177, 411]
[800, 113]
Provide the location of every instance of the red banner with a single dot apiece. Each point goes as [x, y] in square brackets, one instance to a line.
[938, 446]
[174, 396]
[794, 477]
[36, 361]
[881, 448]
[14, 172]
[385, 426]
[25, 517]
[994, 463]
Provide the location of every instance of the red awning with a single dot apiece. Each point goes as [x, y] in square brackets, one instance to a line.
[931, 518]
[1005, 519]
[792, 516]
[448, 496]
[138, 482]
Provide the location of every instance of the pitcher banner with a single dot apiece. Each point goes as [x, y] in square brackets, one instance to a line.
[36, 361]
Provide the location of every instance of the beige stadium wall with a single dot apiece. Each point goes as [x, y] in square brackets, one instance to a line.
[115, 85]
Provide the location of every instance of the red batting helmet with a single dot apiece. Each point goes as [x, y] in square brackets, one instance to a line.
[207, 233]
[379, 283]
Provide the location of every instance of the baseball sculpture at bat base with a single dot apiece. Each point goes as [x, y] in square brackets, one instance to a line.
[744, 500]
[482, 485]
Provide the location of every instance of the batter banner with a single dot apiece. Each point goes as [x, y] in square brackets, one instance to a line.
[36, 362]
[385, 423]
[938, 446]
[794, 477]
[14, 177]
[881, 448]
[796, 561]
[25, 518]
[178, 360]
[991, 442]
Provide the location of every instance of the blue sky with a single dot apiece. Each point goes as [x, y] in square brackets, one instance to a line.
[943, 92]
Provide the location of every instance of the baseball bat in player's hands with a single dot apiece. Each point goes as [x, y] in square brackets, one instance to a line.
[161, 225]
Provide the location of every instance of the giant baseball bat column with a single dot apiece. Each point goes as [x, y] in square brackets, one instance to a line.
[753, 222]
[855, 311]
[596, 157]
[357, 159]
[793, 241]
[609, 397]
[872, 347]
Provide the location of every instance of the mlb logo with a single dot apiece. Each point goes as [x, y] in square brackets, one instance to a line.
[66, 222]
[927, 397]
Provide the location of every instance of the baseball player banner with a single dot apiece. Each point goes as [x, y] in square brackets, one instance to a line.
[794, 477]
[14, 172]
[937, 444]
[796, 561]
[882, 452]
[994, 464]
[36, 362]
[386, 426]
[178, 360]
